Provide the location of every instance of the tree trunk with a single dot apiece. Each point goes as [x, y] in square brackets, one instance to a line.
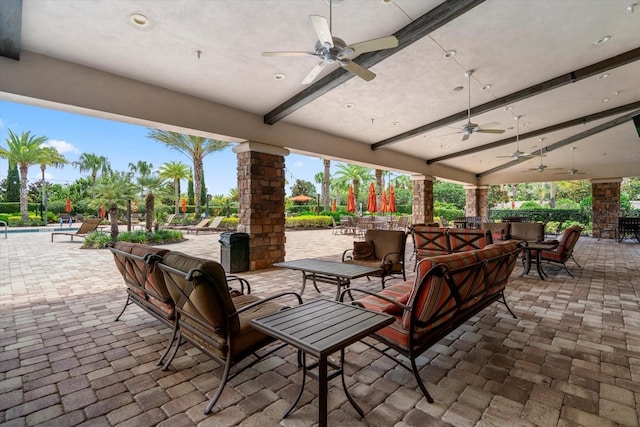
[113, 219]
[150, 201]
[379, 186]
[197, 182]
[24, 207]
[552, 194]
[326, 199]
[176, 196]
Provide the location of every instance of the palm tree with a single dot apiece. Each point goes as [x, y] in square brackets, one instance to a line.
[50, 157]
[89, 162]
[195, 147]
[143, 169]
[153, 183]
[175, 171]
[113, 191]
[24, 150]
[354, 174]
[326, 183]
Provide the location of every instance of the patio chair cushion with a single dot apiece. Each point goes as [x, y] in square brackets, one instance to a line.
[146, 281]
[434, 302]
[364, 250]
[210, 310]
[499, 230]
[395, 309]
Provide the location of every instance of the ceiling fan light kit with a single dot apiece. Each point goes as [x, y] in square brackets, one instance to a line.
[335, 50]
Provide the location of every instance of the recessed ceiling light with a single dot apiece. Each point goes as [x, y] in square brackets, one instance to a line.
[605, 100]
[387, 1]
[279, 76]
[139, 20]
[630, 8]
[457, 88]
[449, 54]
[508, 108]
[485, 87]
[603, 76]
[603, 40]
[348, 105]
[395, 123]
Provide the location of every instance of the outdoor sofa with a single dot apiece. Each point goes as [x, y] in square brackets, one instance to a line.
[447, 291]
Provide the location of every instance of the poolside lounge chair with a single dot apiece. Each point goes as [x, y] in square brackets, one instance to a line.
[167, 223]
[188, 228]
[88, 226]
[213, 226]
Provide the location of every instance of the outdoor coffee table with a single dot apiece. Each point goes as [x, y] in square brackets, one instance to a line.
[320, 328]
[332, 272]
[538, 248]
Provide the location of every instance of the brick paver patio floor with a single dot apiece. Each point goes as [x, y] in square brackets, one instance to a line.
[571, 358]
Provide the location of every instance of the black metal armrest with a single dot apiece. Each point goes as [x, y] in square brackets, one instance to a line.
[267, 299]
[243, 282]
[347, 257]
[382, 297]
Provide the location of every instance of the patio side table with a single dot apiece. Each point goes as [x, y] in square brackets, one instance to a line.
[320, 328]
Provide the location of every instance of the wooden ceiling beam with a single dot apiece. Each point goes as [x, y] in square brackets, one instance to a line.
[421, 27]
[557, 82]
[10, 28]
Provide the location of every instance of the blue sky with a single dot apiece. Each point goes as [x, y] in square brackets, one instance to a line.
[122, 143]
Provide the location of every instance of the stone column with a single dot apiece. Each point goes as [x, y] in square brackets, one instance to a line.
[605, 198]
[477, 201]
[261, 210]
[422, 199]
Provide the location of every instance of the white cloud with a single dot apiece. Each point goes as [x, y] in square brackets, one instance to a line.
[62, 146]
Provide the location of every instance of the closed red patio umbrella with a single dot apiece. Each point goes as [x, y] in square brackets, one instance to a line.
[351, 200]
[383, 201]
[183, 205]
[392, 200]
[372, 206]
[102, 212]
[67, 207]
[333, 205]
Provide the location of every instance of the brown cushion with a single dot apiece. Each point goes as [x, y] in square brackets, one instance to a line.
[364, 250]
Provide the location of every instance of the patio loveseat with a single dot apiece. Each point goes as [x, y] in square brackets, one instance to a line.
[448, 290]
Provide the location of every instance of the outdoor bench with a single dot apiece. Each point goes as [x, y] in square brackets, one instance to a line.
[447, 291]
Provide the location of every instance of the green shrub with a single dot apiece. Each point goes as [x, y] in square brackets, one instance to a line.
[96, 240]
[308, 221]
[4, 217]
[230, 223]
[568, 204]
[530, 205]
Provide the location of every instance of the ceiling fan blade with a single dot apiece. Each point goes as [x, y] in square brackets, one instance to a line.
[374, 44]
[314, 73]
[321, 26]
[489, 125]
[489, 131]
[358, 70]
[465, 137]
[288, 53]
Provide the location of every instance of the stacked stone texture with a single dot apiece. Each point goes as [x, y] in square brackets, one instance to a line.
[606, 208]
[422, 201]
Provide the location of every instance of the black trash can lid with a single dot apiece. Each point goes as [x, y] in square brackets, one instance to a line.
[229, 237]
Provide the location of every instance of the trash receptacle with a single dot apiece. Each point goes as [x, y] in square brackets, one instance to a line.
[234, 251]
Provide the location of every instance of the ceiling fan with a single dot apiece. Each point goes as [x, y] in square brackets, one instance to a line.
[518, 155]
[573, 170]
[333, 49]
[541, 168]
[469, 128]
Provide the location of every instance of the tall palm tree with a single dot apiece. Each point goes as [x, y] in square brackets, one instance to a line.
[50, 157]
[24, 150]
[113, 191]
[143, 169]
[355, 174]
[154, 184]
[175, 171]
[195, 147]
[89, 162]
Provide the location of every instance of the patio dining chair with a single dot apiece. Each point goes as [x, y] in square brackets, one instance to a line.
[212, 320]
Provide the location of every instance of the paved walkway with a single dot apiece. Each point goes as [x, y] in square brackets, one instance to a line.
[571, 358]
